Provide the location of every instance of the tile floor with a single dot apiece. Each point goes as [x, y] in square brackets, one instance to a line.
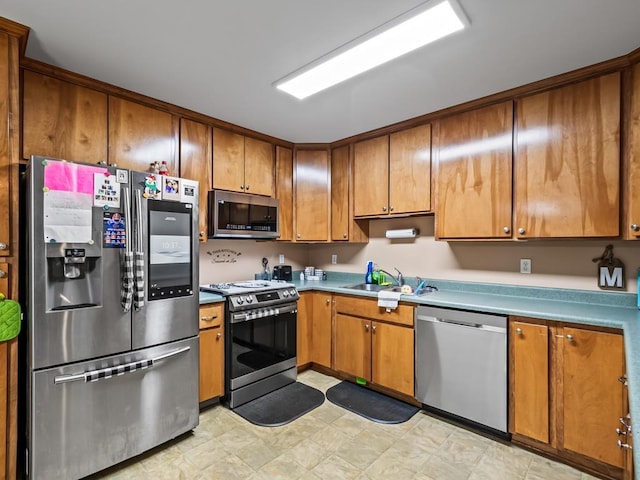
[332, 443]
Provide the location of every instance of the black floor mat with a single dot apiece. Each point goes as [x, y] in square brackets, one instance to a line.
[370, 404]
[281, 406]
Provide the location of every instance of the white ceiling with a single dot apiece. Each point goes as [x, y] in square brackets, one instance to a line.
[221, 58]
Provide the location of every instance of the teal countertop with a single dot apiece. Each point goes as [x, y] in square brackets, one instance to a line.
[604, 309]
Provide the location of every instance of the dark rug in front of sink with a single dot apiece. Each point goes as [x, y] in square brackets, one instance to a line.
[370, 404]
[281, 406]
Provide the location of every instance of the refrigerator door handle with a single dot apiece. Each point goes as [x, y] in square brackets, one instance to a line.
[104, 373]
[139, 260]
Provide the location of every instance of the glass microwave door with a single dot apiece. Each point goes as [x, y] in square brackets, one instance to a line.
[246, 217]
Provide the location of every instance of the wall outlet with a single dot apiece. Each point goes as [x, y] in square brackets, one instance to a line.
[334, 259]
[281, 259]
[525, 265]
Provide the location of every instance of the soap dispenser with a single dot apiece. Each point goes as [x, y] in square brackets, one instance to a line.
[368, 278]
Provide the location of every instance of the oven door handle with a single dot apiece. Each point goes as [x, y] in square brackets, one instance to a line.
[262, 312]
[104, 373]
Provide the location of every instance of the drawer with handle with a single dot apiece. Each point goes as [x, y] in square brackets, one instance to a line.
[211, 315]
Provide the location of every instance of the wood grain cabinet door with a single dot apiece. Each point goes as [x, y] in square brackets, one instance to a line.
[371, 177]
[353, 346]
[567, 163]
[530, 380]
[592, 396]
[392, 355]
[473, 152]
[631, 229]
[211, 363]
[259, 167]
[195, 164]
[63, 120]
[312, 195]
[303, 330]
[284, 192]
[321, 331]
[140, 135]
[340, 194]
[410, 170]
[228, 160]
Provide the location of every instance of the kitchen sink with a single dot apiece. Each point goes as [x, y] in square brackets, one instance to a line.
[367, 287]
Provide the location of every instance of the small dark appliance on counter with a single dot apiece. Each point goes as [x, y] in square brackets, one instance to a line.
[282, 272]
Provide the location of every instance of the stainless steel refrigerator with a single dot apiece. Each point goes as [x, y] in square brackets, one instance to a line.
[112, 315]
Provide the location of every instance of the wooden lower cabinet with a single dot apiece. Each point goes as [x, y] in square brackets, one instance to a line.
[211, 351]
[368, 344]
[566, 396]
[314, 331]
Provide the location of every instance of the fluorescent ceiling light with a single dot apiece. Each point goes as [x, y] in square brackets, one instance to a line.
[393, 39]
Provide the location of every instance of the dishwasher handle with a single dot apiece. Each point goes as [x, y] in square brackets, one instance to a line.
[479, 326]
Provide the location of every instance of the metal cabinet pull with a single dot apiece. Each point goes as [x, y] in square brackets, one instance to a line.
[328, 300]
[218, 335]
[366, 328]
[246, 187]
[635, 227]
[570, 337]
[3, 274]
[623, 421]
[241, 187]
[391, 209]
[384, 209]
[3, 246]
[620, 432]
[344, 235]
[521, 231]
[519, 331]
[208, 319]
[623, 379]
[624, 445]
[373, 329]
[506, 229]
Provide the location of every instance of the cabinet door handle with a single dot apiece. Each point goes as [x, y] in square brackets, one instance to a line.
[620, 432]
[241, 187]
[366, 328]
[208, 319]
[384, 209]
[624, 445]
[391, 209]
[373, 329]
[519, 331]
[344, 235]
[298, 236]
[626, 425]
[506, 229]
[246, 187]
[623, 379]
[570, 337]
[328, 300]
[3, 246]
[635, 227]
[521, 231]
[218, 335]
[3, 274]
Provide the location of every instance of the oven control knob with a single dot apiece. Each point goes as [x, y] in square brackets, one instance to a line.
[272, 312]
[240, 300]
[292, 292]
[249, 299]
[285, 293]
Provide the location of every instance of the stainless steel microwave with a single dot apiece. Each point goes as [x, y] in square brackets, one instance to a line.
[242, 215]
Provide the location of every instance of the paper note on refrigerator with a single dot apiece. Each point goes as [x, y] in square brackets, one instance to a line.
[67, 217]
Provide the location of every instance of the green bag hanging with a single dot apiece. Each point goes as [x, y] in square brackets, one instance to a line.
[10, 319]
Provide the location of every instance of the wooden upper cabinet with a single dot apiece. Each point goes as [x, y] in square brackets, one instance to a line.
[631, 228]
[312, 195]
[141, 135]
[567, 163]
[392, 174]
[529, 406]
[410, 170]
[340, 217]
[259, 166]
[195, 164]
[473, 156]
[592, 396]
[284, 191]
[6, 182]
[242, 164]
[63, 120]
[371, 177]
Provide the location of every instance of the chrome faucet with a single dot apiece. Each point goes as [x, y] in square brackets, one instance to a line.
[399, 280]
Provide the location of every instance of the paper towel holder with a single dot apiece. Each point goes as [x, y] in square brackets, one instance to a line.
[403, 233]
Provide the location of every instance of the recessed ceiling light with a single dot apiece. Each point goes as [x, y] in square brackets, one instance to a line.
[410, 31]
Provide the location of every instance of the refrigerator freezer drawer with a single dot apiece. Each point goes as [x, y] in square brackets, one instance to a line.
[91, 415]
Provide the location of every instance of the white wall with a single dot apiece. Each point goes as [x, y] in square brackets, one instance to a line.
[555, 263]
[224, 260]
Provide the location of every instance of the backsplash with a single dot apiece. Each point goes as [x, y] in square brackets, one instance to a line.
[555, 263]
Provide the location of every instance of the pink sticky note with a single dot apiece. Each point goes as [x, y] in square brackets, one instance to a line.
[70, 177]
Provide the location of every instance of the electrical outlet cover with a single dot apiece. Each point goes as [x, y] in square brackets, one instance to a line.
[525, 265]
[281, 259]
[334, 259]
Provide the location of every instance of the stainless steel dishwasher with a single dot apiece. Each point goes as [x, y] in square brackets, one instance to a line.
[461, 364]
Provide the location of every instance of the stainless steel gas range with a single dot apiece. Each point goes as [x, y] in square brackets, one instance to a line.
[260, 339]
